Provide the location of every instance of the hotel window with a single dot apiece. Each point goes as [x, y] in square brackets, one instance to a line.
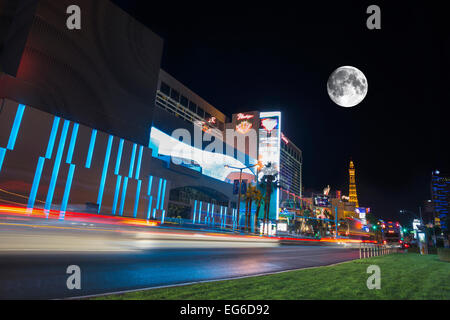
[175, 95]
[165, 88]
[192, 106]
[184, 101]
[200, 112]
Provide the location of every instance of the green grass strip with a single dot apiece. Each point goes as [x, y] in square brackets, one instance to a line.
[403, 276]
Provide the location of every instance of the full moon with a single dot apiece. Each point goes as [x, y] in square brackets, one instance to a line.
[347, 86]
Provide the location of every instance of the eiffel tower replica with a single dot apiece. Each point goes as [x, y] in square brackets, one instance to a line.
[352, 187]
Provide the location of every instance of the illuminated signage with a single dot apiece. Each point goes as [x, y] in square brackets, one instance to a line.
[322, 201]
[269, 135]
[206, 128]
[242, 116]
[285, 140]
[269, 124]
[244, 127]
[211, 162]
[212, 120]
[362, 212]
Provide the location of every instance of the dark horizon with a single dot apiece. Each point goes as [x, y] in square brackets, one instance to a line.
[241, 58]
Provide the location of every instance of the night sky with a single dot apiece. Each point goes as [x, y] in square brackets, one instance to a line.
[243, 56]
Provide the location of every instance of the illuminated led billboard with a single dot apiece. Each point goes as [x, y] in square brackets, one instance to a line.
[269, 146]
[211, 163]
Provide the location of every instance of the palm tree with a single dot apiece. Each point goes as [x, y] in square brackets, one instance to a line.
[249, 195]
[258, 197]
[269, 182]
[253, 195]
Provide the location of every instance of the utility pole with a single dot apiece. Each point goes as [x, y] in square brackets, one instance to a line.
[239, 198]
[240, 185]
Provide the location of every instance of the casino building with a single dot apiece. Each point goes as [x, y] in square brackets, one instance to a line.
[440, 198]
[89, 122]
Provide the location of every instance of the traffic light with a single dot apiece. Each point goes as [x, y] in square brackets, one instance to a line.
[374, 227]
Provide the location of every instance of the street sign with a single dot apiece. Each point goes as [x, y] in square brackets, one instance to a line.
[416, 223]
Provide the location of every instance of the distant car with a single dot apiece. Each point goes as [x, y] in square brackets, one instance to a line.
[405, 245]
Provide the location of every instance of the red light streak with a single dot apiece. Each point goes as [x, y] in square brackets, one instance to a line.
[76, 216]
[97, 218]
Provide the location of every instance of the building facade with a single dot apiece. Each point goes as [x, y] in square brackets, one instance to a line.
[99, 129]
[270, 146]
[90, 136]
[291, 167]
[176, 98]
[440, 197]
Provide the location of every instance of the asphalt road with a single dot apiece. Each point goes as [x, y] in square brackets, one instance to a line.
[34, 257]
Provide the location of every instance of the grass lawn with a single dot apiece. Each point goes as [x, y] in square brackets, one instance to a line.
[403, 276]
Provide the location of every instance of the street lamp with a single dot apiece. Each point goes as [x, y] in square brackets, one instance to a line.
[240, 182]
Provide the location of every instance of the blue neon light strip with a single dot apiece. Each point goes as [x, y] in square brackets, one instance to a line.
[59, 153]
[104, 173]
[91, 148]
[51, 141]
[159, 193]
[15, 127]
[67, 191]
[150, 183]
[212, 214]
[116, 194]
[207, 214]
[136, 202]
[124, 194]
[73, 139]
[133, 158]
[225, 218]
[150, 200]
[36, 180]
[163, 195]
[163, 216]
[119, 157]
[138, 168]
[199, 212]
[195, 209]
[2, 157]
